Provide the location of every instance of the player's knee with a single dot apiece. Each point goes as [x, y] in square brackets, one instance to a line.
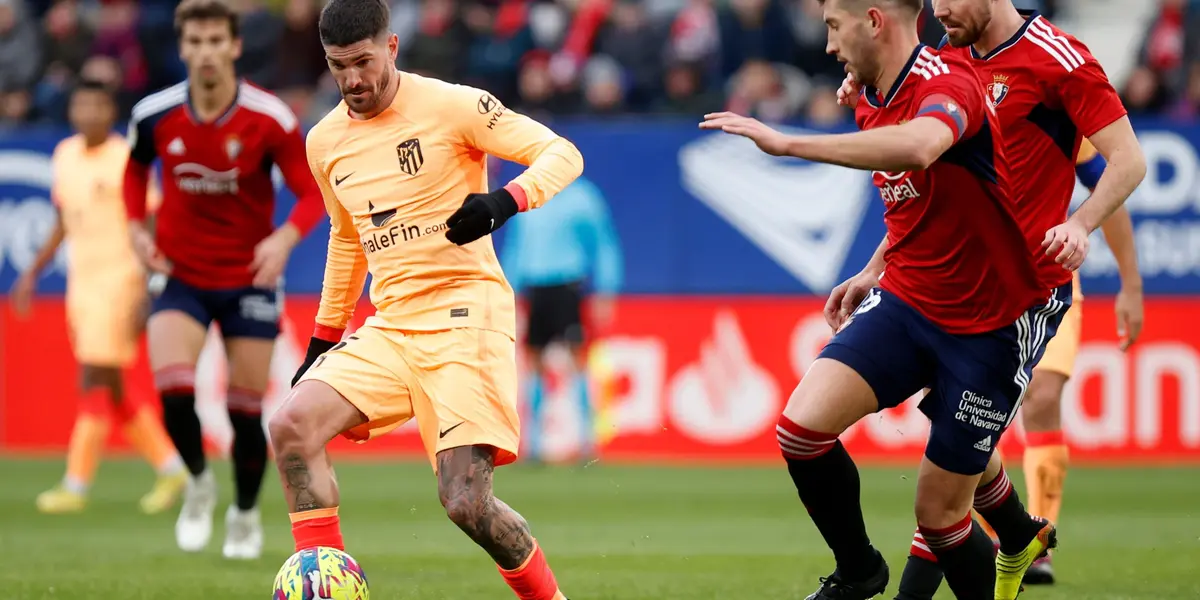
[249, 363]
[463, 513]
[107, 378]
[466, 508]
[830, 398]
[289, 431]
[1041, 409]
[175, 337]
[938, 511]
[943, 497]
[994, 466]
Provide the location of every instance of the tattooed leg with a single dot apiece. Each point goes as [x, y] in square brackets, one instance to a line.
[310, 416]
[465, 489]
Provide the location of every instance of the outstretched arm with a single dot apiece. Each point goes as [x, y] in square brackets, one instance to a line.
[913, 146]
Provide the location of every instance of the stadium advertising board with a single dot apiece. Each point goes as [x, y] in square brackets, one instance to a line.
[690, 379]
[701, 213]
[727, 252]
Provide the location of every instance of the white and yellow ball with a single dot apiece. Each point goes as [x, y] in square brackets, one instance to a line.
[321, 574]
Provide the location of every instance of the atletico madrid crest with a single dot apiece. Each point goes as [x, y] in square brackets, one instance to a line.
[998, 89]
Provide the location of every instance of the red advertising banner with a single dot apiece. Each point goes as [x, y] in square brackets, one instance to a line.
[687, 379]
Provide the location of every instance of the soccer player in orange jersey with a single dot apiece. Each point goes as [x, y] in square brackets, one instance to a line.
[401, 165]
[105, 303]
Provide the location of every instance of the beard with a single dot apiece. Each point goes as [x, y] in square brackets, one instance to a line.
[371, 96]
[967, 32]
[866, 70]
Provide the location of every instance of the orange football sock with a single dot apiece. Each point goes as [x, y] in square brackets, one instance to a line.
[983, 524]
[146, 434]
[533, 580]
[320, 527]
[84, 450]
[1046, 460]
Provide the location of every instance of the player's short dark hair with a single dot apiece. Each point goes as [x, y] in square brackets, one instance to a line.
[207, 10]
[94, 85]
[916, 6]
[345, 22]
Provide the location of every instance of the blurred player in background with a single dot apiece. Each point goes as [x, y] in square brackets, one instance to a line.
[1050, 94]
[105, 303]
[402, 166]
[217, 253]
[548, 256]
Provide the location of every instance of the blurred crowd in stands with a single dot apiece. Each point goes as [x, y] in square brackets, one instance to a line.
[547, 57]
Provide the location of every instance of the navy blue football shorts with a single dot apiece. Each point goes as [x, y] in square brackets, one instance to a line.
[245, 312]
[976, 381]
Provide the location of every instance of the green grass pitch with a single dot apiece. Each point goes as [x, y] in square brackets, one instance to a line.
[610, 532]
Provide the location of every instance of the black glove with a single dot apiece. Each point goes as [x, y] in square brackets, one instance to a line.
[316, 347]
[480, 215]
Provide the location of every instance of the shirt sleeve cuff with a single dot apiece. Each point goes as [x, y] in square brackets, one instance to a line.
[518, 194]
[327, 333]
[956, 124]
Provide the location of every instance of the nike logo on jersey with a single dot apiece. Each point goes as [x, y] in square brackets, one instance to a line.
[442, 434]
[338, 180]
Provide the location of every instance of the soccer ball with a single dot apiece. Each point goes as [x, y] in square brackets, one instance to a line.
[321, 574]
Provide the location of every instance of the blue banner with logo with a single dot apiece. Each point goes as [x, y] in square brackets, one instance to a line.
[704, 213]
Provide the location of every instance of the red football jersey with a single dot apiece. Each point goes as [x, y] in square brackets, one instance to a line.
[218, 200]
[1050, 93]
[955, 252]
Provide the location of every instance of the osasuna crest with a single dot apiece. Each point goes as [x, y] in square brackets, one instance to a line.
[998, 89]
[233, 147]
